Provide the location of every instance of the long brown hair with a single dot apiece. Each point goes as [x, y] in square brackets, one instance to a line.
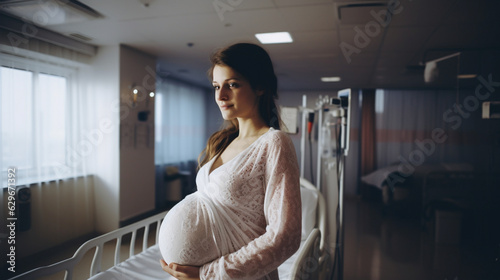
[253, 63]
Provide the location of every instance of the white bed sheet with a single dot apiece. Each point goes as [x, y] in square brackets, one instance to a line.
[146, 266]
[378, 177]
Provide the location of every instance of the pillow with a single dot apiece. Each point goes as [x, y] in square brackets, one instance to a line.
[309, 199]
[378, 177]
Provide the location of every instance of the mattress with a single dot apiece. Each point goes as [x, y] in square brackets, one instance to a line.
[146, 266]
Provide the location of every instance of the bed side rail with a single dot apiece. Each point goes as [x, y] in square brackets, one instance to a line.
[68, 265]
[321, 217]
[307, 265]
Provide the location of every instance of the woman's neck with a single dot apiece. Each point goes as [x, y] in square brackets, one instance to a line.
[251, 127]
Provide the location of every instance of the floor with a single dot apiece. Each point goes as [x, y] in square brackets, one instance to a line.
[391, 244]
[378, 246]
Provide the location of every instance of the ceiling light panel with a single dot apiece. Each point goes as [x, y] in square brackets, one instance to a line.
[274, 38]
[330, 79]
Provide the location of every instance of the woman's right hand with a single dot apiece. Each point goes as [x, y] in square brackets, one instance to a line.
[181, 272]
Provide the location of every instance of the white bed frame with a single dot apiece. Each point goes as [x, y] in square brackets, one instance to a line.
[309, 260]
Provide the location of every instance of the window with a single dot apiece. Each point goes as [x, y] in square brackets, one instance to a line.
[379, 101]
[34, 100]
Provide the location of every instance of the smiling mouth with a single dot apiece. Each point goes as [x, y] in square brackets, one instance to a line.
[225, 107]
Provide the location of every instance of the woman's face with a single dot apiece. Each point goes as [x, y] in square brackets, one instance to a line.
[234, 94]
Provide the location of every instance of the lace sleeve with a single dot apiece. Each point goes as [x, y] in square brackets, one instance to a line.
[282, 210]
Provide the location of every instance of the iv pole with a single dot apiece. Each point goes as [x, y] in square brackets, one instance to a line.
[322, 104]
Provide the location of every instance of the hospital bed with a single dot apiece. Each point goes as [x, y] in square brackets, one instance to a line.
[307, 263]
[407, 190]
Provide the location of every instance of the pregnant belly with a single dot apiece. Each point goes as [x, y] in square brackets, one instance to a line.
[186, 235]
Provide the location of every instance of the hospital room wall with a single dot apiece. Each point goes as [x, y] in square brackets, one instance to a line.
[137, 170]
[466, 137]
[123, 174]
[103, 85]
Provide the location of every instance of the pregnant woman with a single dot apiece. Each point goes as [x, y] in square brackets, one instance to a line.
[245, 218]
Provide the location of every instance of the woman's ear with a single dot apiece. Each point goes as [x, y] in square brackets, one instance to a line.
[259, 92]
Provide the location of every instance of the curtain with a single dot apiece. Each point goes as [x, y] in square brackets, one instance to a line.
[43, 122]
[405, 122]
[180, 134]
[368, 155]
[49, 137]
[180, 121]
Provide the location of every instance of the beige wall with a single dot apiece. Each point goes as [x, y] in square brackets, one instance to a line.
[137, 170]
[102, 80]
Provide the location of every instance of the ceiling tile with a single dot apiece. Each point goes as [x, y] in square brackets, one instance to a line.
[325, 44]
[355, 40]
[303, 18]
[420, 13]
[284, 3]
[406, 38]
[394, 58]
[473, 12]
[464, 37]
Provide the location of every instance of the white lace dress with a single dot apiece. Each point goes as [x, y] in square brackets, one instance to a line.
[245, 218]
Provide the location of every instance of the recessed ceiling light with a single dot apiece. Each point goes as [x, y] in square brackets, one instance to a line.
[466, 76]
[274, 37]
[330, 79]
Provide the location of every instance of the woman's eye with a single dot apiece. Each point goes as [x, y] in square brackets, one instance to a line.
[233, 85]
[216, 87]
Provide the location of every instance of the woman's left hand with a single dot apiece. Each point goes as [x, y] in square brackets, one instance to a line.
[181, 272]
